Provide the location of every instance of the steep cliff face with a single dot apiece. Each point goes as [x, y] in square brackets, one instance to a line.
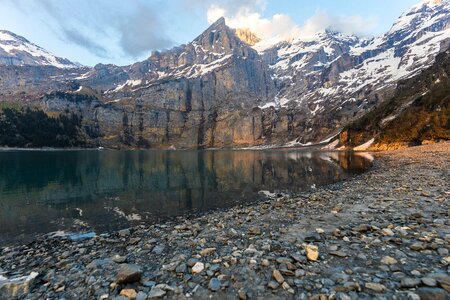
[419, 112]
[27, 83]
[224, 89]
[196, 96]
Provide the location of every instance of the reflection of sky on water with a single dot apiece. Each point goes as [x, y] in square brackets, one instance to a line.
[105, 190]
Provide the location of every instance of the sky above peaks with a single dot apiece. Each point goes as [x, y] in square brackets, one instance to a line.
[125, 31]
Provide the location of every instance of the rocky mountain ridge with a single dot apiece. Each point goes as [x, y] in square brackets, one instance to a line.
[345, 76]
[418, 113]
[220, 91]
[15, 50]
[198, 95]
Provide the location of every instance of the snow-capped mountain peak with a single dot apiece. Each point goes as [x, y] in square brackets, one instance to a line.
[410, 45]
[423, 15]
[217, 48]
[7, 36]
[306, 57]
[316, 86]
[18, 51]
[429, 4]
[333, 70]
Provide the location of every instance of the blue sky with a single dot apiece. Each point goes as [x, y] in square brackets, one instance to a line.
[125, 31]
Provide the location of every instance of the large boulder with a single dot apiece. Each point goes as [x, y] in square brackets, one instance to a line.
[16, 287]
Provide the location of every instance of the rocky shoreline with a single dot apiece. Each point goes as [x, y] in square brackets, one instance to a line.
[384, 234]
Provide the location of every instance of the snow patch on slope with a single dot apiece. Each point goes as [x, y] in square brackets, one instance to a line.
[27, 53]
[410, 46]
[365, 146]
[198, 70]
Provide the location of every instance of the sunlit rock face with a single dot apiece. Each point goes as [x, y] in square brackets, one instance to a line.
[224, 90]
[247, 36]
[204, 94]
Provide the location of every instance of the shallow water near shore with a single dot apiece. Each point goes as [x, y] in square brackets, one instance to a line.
[101, 191]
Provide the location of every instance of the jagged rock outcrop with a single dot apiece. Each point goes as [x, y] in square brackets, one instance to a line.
[223, 89]
[247, 36]
[196, 96]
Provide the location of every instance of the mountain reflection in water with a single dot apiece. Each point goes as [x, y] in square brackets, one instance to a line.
[45, 191]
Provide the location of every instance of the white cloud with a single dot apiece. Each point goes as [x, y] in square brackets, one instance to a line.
[356, 24]
[279, 27]
[214, 13]
[136, 30]
[282, 26]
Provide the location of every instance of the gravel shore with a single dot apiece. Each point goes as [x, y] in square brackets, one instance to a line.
[384, 234]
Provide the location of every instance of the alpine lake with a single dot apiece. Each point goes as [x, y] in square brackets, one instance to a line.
[85, 192]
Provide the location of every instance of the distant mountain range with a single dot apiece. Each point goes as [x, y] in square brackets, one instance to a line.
[18, 51]
[417, 113]
[229, 88]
